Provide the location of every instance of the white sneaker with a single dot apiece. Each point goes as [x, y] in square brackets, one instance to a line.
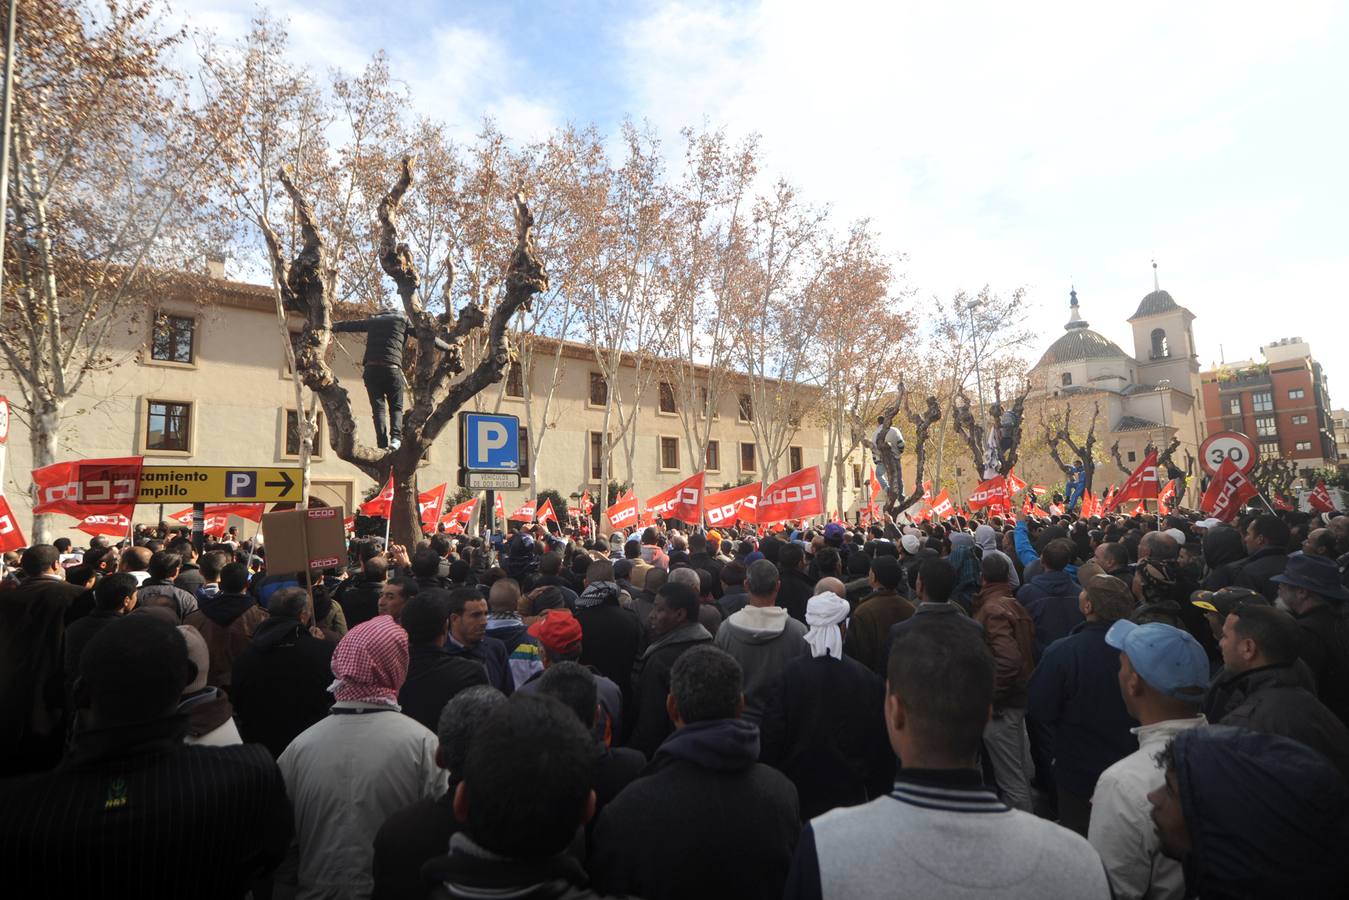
[395, 444]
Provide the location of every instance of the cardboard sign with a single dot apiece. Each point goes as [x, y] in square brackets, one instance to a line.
[300, 539]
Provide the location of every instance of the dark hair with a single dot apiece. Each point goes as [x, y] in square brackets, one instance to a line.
[460, 597]
[211, 564]
[600, 570]
[234, 578]
[528, 777]
[790, 556]
[182, 546]
[289, 602]
[1116, 553]
[79, 574]
[460, 720]
[550, 563]
[1273, 529]
[163, 564]
[112, 590]
[994, 568]
[426, 563]
[375, 568]
[426, 615]
[828, 561]
[62, 544]
[706, 582]
[135, 668]
[406, 586]
[631, 549]
[939, 580]
[733, 573]
[1057, 554]
[943, 672]
[1274, 631]
[38, 559]
[697, 542]
[440, 544]
[706, 682]
[886, 571]
[574, 686]
[680, 596]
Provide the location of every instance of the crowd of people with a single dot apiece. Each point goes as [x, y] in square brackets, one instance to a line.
[1050, 707]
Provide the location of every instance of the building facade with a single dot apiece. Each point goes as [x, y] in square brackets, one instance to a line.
[1281, 402]
[205, 382]
[1340, 420]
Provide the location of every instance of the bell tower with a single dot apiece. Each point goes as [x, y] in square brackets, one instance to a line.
[1164, 341]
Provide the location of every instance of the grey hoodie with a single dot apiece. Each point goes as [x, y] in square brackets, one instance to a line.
[762, 639]
[986, 539]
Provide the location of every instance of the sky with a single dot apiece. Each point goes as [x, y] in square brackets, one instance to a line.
[1038, 145]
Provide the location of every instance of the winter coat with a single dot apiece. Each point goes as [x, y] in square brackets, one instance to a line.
[869, 628]
[1074, 701]
[469, 872]
[279, 686]
[229, 624]
[1324, 646]
[1224, 553]
[434, 678]
[1009, 633]
[712, 566]
[210, 719]
[409, 839]
[189, 578]
[1279, 700]
[359, 600]
[648, 722]
[705, 820]
[986, 539]
[1051, 600]
[385, 336]
[1266, 816]
[157, 592]
[733, 599]
[611, 638]
[1260, 567]
[794, 592]
[824, 728]
[762, 640]
[492, 655]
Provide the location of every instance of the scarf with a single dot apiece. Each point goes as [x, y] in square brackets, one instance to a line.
[823, 613]
[597, 593]
[371, 662]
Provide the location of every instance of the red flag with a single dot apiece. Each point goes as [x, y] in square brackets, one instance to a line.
[1039, 490]
[182, 516]
[429, 505]
[498, 508]
[1281, 502]
[586, 504]
[348, 524]
[942, 507]
[525, 513]
[798, 496]
[1168, 493]
[461, 513]
[683, 501]
[737, 504]
[381, 504]
[834, 517]
[1320, 499]
[106, 523]
[1142, 484]
[1027, 505]
[991, 493]
[927, 492]
[1108, 502]
[546, 511]
[109, 482]
[250, 511]
[59, 488]
[1014, 485]
[875, 485]
[1090, 505]
[1227, 492]
[1141, 509]
[623, 514]
[11, 538]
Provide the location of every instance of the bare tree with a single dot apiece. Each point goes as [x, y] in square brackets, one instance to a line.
[922, 427]
[1059, 433]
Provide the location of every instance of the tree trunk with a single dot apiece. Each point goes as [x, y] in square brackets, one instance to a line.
[405, 526]
[43, 439]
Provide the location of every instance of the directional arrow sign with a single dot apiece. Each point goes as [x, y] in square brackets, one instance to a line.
[218, 484]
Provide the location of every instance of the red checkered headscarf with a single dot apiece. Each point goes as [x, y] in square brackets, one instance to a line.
[371, 662]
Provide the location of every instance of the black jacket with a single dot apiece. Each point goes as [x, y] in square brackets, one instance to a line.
[136, 812]
[1224, 554]
[824, 728]
[434, 677]
[706, 820]
[406, 841]
[1278, 700]
[733, 599]
[1324, 646]
[189, 578]
[359, 600]
[647, 722]
[1260, 567]
[472, 873]
[385, 336]
[492, 655]
[279, 685]
[795, 592]
[710, 564]
[611, 638]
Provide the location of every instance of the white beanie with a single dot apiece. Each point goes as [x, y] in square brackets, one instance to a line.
[911, 543]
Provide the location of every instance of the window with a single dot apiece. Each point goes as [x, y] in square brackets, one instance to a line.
[857, 475]
[173, 339]
[746, 408]
[1160, 348]
[1264, 426]
[1304, 445]
[1296, 394]
[1269, 451]
[1299, 420]
[523, 447]
[667, 398]
[599, 390]
[669, 454]
[702, 403]
[746, 457]
[1133, 456]
[1066, 379]
[292, 447]
[1263, 401]
[515, 380]
[795, 459]
[1234, 406]
[168, 426]
[713, 461]
[286, 370]
[596, 456]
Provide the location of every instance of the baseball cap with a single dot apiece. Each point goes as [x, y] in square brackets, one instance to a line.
[1224, 601]
[557, 631]
[1167, 658]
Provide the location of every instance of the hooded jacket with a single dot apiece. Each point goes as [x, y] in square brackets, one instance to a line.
[1266, 816]
[705, 820]
[279, 686]
[471, 872]
[648, 720]
[1009, 633]
[763, 640]
[1051, 600]
[1260, 567]
[433, 679]
[229, 624]
[1224, 553]
[611, 635]
[986, 539]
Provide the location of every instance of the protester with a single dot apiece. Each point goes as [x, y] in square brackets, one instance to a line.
[667, 834]
[210, 718]
[418, 833]
[1162, 675]
[395, 594]
[940, 833]
[1074, 702]
[504, 624]
[761, 637]
[279, 684]
[882, 608]
[359, 596]
[1051, 596]
[114, 596]
[561, 639]
[733, 593]
[348, 772]
[468, 638]
[230, 617]
[434, 677]
[1266, 540]
[133, 810]
[1309, 588]
[674, 629]
[159, 589]
[986, 539]
[612, 635]
[796, 586]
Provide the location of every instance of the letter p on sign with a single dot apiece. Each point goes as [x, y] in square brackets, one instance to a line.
[491, 436]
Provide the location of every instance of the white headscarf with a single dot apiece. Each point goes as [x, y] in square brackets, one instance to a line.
[823, 613]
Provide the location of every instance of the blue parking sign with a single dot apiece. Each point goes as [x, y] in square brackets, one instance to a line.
[489, 443]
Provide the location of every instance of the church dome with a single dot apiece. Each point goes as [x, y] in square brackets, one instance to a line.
[1079, 342]
[1158, 301]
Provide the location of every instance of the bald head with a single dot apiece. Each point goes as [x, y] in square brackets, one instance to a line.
[829, 586]
[1156, 545]
[505, 596]
[135, 559]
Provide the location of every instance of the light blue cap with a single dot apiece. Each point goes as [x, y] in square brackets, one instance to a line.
[1168, 659]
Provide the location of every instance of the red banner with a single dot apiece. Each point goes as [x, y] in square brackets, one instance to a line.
[250, 511]
[740, 504]
[623, 514]
[380, 504]
[546, 511]
[1014, 485]
[798, 496]
[1088, 505]
[461, 513]
[684, 501]
[1039, 490]
[72, 487]
[525, 513]
[11, 538]
[1319, 498]
[1282, 503]
[1141, 509]
[586, 504]
[1168, 493]
[1227, 493]
[991, 493]
[498, 508]
[1143, 484]
[429, 505]
[942, 507]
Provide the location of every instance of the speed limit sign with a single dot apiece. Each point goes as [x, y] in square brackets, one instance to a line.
[1227, 445]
